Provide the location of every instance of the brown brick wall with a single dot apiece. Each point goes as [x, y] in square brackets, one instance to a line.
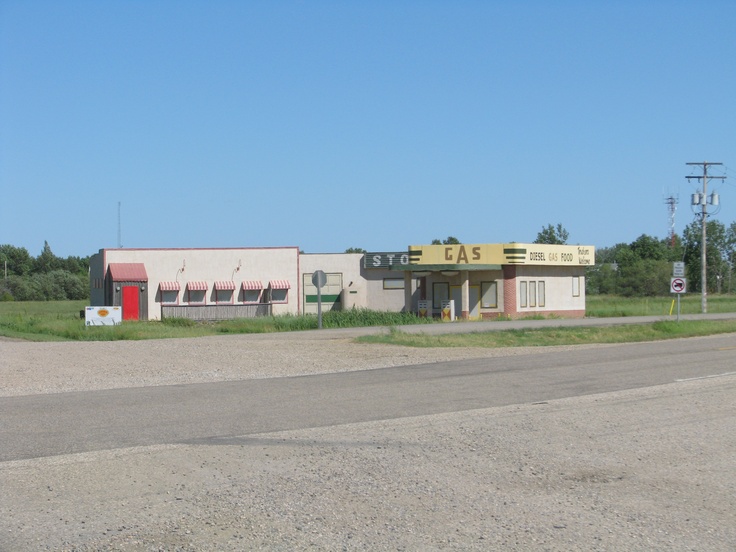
[509, 291]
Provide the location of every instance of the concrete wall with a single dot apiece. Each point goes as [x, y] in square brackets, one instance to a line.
[350, 283]
[559, 286]
[209, 265]
[361, 288]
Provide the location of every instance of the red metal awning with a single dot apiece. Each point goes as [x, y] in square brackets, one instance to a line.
[223, 285]
[169, 286]
[197, 286]
[250, 285]
[128, 272]
[279, 284]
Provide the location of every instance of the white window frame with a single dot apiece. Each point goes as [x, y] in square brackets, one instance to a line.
[541, 294]
[393, 283]
[522, 295]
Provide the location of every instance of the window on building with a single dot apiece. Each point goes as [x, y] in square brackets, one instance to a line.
[224, 292]
[522, 294]
[541, 294]
[252, 291]
[532, 294]
[197, 293]
[279, 291]
[440, 293]
[169, 293]
[393, 283]
[489, 295]
[576, 286]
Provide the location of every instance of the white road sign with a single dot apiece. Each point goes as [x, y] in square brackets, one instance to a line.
[678, 285]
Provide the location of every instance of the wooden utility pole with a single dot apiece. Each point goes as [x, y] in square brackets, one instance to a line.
[703, 201]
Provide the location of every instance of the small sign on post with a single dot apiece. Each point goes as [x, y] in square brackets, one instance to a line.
[678, 269]
[679, 286]
[319, 279]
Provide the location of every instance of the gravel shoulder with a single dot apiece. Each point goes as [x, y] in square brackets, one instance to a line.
[56, 367]
[648, 469]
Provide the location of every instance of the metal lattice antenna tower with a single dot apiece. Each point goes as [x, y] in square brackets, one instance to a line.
[671, 202]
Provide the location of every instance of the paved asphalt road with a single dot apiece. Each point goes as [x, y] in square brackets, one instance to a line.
[54, 424]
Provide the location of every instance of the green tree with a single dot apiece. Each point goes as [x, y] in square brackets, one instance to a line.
[75, 265]
[555, 235]
[449, 240]
[717, 254]
[19, 260]
[730, 255]
[355, 250]
[641, 268]
[644, 278]
[647, 247]
[46, 261]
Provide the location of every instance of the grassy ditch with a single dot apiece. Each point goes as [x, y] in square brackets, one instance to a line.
[61, 321]
[604, 306]
[630, 333]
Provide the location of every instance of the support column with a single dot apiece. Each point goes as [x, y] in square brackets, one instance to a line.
[408, 291]
[465, 293]
[509, 291]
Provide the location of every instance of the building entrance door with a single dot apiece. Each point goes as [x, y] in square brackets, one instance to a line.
[456, 294]
[131, 303]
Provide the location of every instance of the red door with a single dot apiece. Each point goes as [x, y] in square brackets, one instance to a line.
[130, 303]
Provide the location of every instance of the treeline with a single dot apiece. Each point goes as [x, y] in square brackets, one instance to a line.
[644, 267]
[638, 269]
[43, 278]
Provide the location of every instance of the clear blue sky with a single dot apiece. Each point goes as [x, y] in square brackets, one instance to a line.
[329, 125]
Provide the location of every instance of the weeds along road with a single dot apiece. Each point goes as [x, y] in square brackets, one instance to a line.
[65, 423]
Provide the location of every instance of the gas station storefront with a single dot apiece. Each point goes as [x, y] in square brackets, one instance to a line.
[491, 280]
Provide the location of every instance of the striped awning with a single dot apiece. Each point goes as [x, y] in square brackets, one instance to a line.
[169, 286]
[251, 285]
[279, 284]
[224, 285]
[197, 286]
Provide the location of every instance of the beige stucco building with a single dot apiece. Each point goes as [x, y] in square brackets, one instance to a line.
[460, 281]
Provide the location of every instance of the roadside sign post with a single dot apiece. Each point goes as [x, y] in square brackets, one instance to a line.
[678, 286]
[319, 279]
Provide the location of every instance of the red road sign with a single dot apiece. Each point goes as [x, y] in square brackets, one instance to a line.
[678, 285]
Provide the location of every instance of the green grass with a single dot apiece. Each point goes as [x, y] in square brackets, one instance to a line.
[629, 333]
[603, 306]
[60, 321]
